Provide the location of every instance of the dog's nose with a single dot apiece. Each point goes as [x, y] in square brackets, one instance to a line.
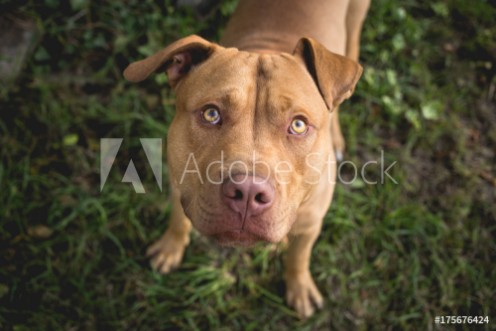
[248, 195]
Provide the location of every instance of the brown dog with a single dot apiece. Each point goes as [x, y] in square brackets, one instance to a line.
[250, 148]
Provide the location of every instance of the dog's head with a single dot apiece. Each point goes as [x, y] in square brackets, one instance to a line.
[251, 135]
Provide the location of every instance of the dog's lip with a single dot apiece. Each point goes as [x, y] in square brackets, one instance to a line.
[237, 238]
[227, 228]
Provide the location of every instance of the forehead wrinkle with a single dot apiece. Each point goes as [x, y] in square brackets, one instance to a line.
[226, 97]
[262, 93]
[268, 71]
[273, 91]
[202, 79]
[263, 64]
[289, 105]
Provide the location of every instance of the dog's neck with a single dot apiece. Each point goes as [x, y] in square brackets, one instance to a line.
[275, 26]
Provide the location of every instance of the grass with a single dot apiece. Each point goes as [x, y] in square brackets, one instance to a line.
[390, 257]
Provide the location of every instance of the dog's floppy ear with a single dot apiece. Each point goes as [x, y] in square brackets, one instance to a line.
[335, 75]
[176, 60]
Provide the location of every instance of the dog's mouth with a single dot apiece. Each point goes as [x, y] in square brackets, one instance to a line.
[228, 228]
[224, 233]
[237, 238]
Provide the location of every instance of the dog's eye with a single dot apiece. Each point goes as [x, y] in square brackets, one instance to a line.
[298, 126]
[211, 115]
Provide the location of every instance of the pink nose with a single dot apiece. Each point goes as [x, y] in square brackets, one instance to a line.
[248, 195]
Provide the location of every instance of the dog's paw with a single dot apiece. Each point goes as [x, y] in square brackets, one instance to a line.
[167, 252]
[302, 294]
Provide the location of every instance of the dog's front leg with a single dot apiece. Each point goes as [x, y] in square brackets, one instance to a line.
[301, 292]
[167, 252]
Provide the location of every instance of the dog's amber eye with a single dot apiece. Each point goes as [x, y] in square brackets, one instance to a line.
[298, 126]
[211, 115]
